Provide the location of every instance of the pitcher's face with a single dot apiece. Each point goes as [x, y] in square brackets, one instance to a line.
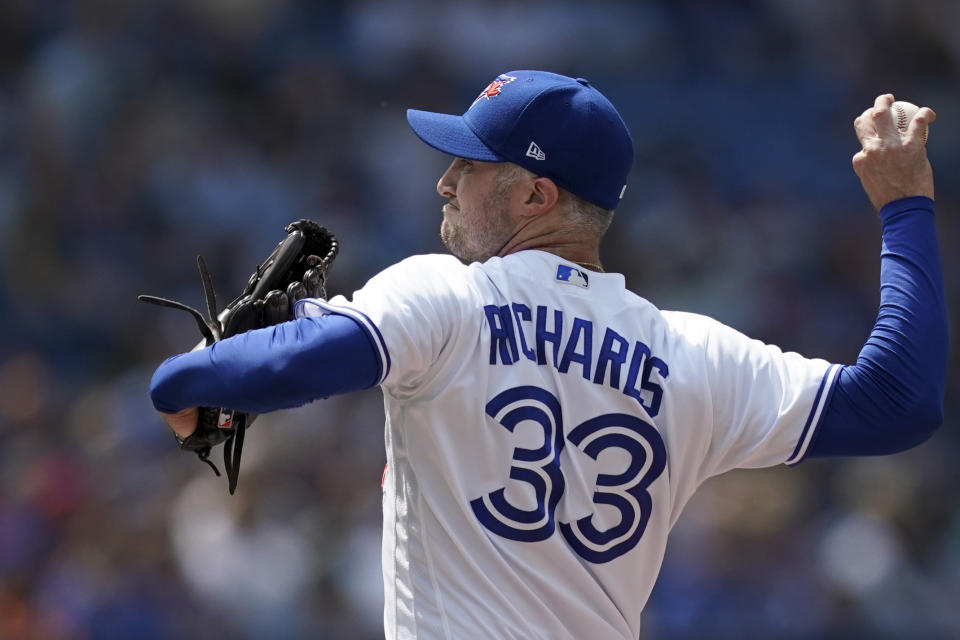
[476, 220]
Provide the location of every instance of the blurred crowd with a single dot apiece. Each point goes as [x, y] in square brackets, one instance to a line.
[136, 134]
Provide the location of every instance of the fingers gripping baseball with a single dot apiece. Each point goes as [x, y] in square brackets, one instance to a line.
[892, 162]
[919, 125]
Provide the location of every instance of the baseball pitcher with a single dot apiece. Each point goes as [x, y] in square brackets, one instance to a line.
[545, 426]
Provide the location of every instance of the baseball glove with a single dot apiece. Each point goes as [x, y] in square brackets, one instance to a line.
[297, 268]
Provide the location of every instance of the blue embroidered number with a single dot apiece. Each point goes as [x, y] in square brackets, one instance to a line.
[540, 468]
[627, 491]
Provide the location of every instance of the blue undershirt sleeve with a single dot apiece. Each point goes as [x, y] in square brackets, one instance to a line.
[892, 398]
[277, 367]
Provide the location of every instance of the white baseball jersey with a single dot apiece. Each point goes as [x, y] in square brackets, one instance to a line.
[544, 428]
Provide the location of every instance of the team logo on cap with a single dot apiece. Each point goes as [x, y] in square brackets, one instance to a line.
[494, 88]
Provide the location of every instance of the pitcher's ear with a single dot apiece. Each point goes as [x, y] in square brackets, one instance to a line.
[542, 196]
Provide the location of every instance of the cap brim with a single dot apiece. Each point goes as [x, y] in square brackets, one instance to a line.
[450, 134]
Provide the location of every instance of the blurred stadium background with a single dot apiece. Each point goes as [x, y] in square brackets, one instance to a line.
[135, 134]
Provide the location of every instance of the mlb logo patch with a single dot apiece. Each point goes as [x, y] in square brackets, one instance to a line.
[571, 275]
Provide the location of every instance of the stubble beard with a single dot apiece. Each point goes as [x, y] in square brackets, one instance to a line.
[477, 236]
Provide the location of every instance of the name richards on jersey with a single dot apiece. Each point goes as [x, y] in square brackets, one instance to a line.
[510, 331]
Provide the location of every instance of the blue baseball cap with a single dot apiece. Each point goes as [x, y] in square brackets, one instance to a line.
[555, 126]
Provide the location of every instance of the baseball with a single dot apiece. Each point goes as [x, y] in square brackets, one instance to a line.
[902, 113]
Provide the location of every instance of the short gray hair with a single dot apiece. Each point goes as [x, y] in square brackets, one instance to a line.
[508, 173]
[585, 217]
[581, 217]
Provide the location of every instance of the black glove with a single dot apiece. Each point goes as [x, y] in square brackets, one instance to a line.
[297, 268]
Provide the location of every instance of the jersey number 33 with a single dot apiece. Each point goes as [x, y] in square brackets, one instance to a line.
[626, 492]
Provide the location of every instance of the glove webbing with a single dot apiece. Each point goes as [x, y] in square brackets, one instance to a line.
[228, 421]
[233, 446]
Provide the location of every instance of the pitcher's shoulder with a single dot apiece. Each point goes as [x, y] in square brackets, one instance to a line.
[694, 327]
[426, 276]
[428, 263]
[422, 268]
